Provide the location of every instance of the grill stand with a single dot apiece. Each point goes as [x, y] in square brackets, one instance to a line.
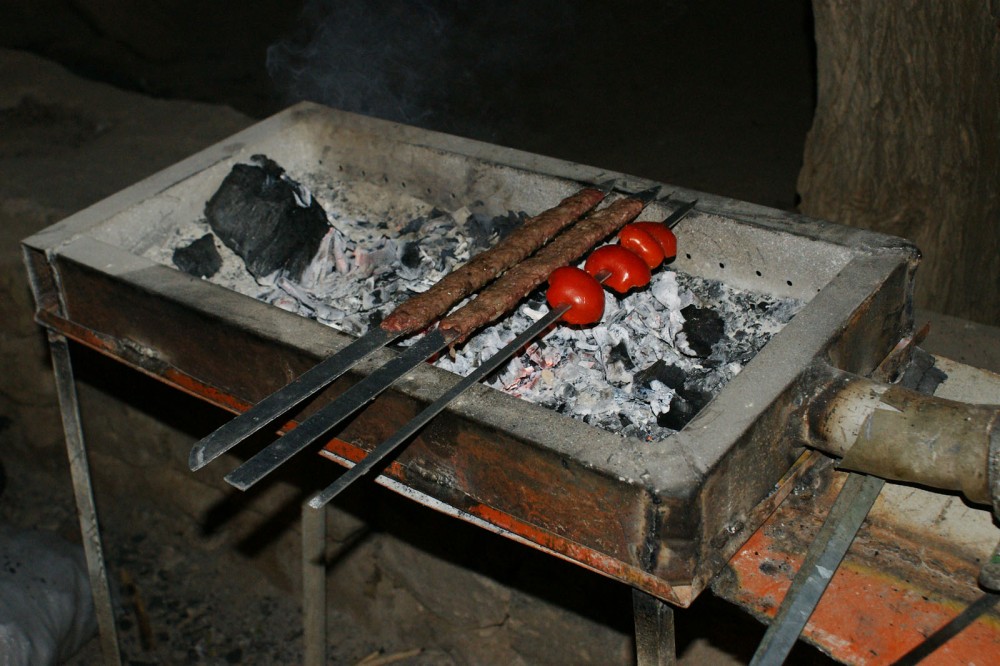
[654, 619]
[92, 285]
[655, 642]
[314, 586]
[86, 508]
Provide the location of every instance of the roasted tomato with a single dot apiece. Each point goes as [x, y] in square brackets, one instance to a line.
[569, 285]
[643, 243]
[663, 235]
[627, 269]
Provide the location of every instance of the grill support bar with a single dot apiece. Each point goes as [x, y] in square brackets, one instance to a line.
[86, 508]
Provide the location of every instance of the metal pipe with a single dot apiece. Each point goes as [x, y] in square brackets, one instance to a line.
[899, 434]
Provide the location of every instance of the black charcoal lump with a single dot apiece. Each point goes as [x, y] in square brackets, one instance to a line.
[703, 327]
[687, 400]
[201, 258]
[269, 220]
[487, 229]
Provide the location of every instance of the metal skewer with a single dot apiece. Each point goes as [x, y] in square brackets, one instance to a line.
[271, 457]
[281, 401]
[314, 427]
[485, 369]
[309, 383]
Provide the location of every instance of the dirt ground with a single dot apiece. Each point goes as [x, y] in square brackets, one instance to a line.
[707, 95]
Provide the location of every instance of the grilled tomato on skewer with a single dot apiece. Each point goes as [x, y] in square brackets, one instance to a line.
[627, 269]
[569, 285]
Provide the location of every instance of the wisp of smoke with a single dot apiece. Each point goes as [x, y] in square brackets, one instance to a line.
[443, 64]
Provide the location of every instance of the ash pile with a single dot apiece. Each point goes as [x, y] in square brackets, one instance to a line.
[345, 253]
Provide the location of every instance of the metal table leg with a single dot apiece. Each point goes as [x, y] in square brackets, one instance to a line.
[655, 644]
[314, 584]
[85, 507]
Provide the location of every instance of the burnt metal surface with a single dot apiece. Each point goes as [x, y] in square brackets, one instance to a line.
[661, 516]
[896, 587]
[898, 433]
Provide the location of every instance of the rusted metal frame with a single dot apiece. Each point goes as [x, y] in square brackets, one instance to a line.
[880, 604]
[527, 490]
[858, 319]
[655, 637]
[837, 413]
[891, 431]
[313, 522]
[101, 300]
[338, 448]
[500, 522]
[86, 507]
[957, 624]
[827, 551]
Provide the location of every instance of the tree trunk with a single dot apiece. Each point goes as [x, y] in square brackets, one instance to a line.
[906, 138]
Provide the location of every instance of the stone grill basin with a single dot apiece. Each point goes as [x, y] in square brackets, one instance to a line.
[661, 516]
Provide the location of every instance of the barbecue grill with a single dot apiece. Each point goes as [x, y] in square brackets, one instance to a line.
[662, 516]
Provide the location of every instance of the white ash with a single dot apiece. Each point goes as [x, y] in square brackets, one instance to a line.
[590, 373]
[384, 245]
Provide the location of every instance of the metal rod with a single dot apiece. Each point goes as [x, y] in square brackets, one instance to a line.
[485, 369]
[679, 214]
[317, 425]
[86, 507]
[825, 554]
[956, 625]
[267, 410]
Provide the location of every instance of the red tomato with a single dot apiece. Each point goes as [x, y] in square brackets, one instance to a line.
[663, 235]
[638, 240]
[627, 269]
[570, 285]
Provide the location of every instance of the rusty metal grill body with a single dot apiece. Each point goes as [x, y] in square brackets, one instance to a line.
[662, 516]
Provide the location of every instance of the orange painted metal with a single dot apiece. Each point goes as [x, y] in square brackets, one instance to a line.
[591, 559]
[887, 597]
[112, 348]
[542, 539]
[879, 605]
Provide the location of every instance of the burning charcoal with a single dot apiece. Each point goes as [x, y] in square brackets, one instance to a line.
[411, 255]
[662, 372]
[619, 354]
[200, 258]
[683, 407]
[703, 327]
[413, 226]
[270, 221]
[485, 228]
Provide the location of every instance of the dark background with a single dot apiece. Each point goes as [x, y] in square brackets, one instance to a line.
[712, 95]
